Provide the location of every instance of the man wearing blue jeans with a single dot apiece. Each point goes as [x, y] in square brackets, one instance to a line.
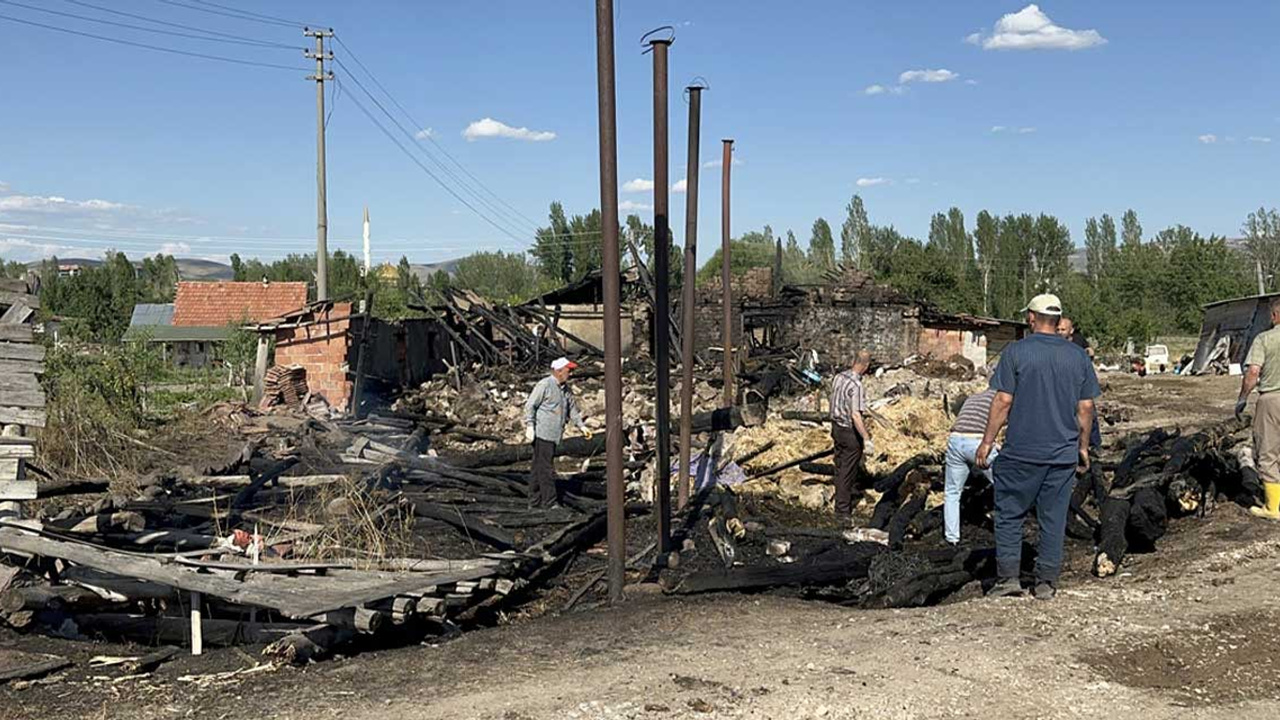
[962, 458]
[1045, 388]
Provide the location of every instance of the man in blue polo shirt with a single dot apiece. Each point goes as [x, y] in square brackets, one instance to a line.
[1045, 387]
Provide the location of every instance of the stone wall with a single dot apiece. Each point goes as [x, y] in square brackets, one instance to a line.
[323, 348]
[837, 332]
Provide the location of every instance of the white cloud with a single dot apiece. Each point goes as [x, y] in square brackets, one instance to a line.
[927, 76]
[872, 182]
[631, 205]
[998, 128]
[1208, 138]
[54, 204]
[1031, 29]
[874, 90]
[488, 127]
[719, 162]
[1026, 130]
[970, 81]
[680, 186]
[425, 133]
[175, 248]
[637, 185]
[1258, 139]
[4, 187]
[1016, 130]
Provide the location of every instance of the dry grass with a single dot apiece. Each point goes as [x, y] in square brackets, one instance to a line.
[347, 521]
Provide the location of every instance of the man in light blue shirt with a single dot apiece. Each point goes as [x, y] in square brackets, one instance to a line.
[549, 408]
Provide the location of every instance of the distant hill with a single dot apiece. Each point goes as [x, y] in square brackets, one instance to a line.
[425, 271]
[189, 268]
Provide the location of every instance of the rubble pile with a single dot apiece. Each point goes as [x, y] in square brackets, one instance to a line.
[309, 534]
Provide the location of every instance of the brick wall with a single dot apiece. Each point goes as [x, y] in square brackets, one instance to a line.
[323, 348]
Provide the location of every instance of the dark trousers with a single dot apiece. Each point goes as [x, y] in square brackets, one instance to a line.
[848, 446]
[1019, 485]
[544, 473]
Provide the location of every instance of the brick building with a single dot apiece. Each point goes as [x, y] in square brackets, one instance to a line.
[202, 314]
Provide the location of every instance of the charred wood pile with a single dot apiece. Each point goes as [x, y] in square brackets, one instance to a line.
[310, 536]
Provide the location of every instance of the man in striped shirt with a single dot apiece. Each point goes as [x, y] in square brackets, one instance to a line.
[962, 457]
[849, 431]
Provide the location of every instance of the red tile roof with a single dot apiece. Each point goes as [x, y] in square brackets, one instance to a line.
[208, 304]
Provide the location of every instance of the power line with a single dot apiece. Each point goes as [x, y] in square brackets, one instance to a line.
[430, 139]
[177, 25]
[416, 161]
[141, 28]
[259, 16]
[237, 14]
[146, 46]
[443, 168]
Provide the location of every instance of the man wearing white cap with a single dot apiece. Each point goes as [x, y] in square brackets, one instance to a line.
[1045, 386]
[549, 408]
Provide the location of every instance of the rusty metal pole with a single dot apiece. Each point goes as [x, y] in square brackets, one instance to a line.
[662, 289]
[611, 274]
[688, 294]
[725, 279]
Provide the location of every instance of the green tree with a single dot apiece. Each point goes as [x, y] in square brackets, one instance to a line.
[822, 246]
[1130, 229]
[553, 247]
[501, 277]
[855, 233]
[1050, 251]
[1262, 242]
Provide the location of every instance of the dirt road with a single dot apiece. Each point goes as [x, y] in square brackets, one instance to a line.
[1191, 631]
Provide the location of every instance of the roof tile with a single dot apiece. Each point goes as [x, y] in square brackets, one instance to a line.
[211, 304]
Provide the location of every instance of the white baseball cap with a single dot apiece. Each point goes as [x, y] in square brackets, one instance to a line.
[563, 362]
[1046, 304]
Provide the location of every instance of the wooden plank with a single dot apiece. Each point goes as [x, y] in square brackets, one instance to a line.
[21, 351]
[19, 381]
[22, 416]
[9, 469]
[240, 567]
[14, 332]
[8, 297]
[295, 596]
[17, 398]
[18, 490]
[14, 285]
[8, 451]
[31, 367]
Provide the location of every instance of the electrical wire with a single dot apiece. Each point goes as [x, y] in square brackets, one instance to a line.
[505, 230]
[412, 137]
[237, 14]
[259, 16]
[144, 18]
[147, 46]
[430, 139]
[141, 28]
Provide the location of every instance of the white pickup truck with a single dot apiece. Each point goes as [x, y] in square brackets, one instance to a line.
[1157, 358]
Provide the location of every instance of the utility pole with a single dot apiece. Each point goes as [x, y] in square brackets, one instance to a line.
[1262, 286]
[662, 289]
[322, 203]
[725, 280]
[610, 270]
[688, 293]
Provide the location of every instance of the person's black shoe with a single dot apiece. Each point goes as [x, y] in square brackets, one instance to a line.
[1005, 587]
[1045, 590]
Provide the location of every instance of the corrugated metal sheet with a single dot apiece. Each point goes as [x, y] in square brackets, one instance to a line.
[150, 314]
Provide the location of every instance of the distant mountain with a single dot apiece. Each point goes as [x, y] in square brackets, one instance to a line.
[425, 271]
[188, 268]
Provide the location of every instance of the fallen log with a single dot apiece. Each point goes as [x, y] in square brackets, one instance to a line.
[309, 644]
[512, 454]
[813, 468]
[56, 488]
[791, 463]
[51, 597]
[852, 564]
[177, 630]
[471, 527]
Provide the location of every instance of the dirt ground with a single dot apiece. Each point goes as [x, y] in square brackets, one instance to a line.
[1190, 631]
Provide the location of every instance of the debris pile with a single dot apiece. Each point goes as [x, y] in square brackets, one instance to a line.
[310, 535]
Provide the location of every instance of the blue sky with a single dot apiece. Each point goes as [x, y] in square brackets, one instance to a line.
[1072, 108]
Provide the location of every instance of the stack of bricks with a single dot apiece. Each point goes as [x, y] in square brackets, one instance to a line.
[284, 386]
[322, 346]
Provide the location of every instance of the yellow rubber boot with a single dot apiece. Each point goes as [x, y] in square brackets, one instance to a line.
[1272, 511]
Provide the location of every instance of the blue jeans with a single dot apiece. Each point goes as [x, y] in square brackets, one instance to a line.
[961, 460]
[1019, 486]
